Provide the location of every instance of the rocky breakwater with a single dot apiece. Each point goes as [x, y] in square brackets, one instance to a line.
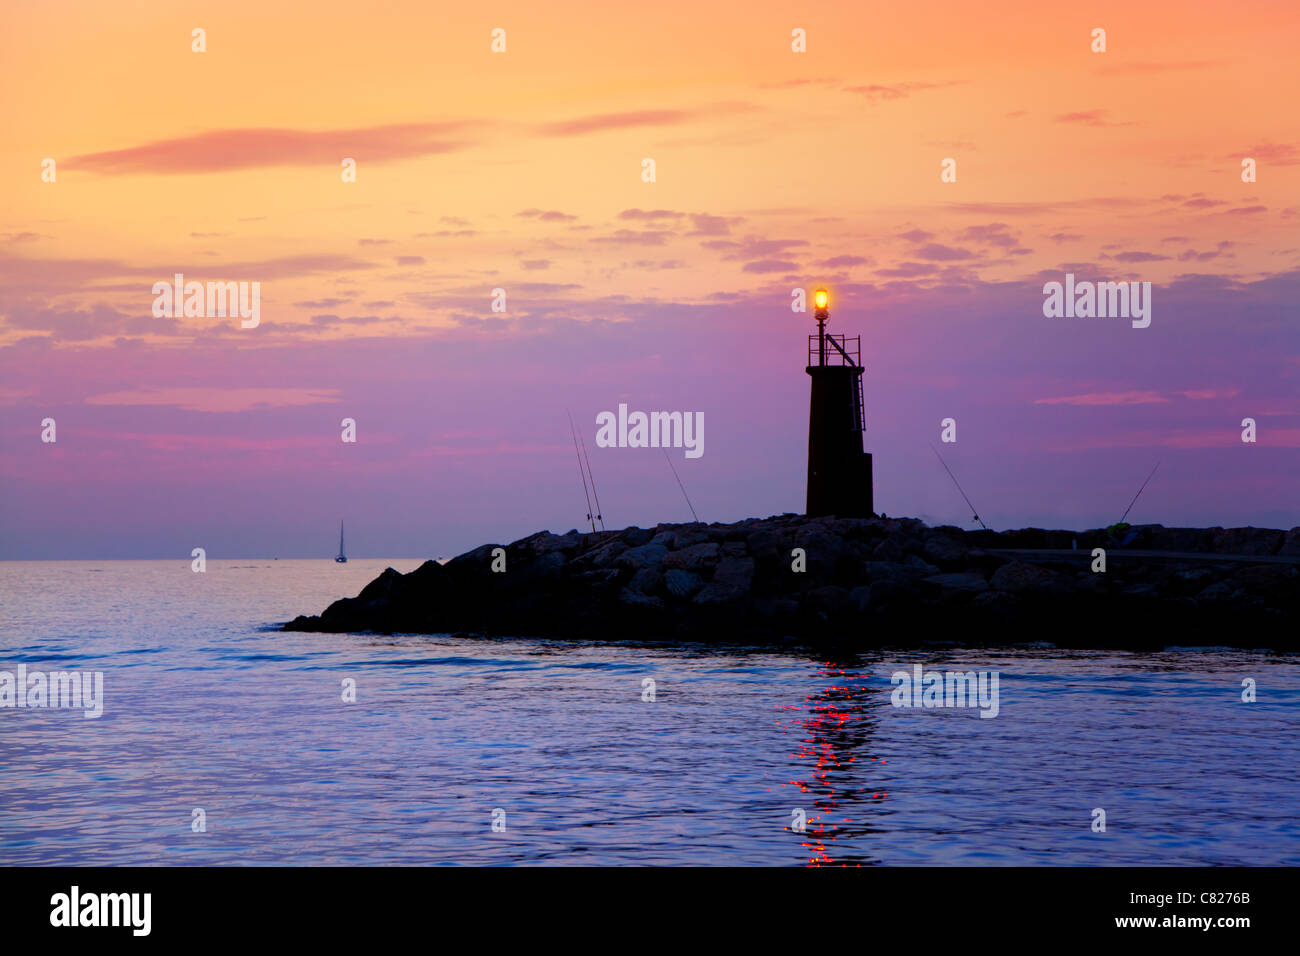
[866, 581]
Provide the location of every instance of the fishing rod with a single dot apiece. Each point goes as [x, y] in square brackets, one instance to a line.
[599, 517]
[574, 431]
[958, 484]
[681, 486]
[1138, 495]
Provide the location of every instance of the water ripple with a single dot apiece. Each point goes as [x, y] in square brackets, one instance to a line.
[207, 707]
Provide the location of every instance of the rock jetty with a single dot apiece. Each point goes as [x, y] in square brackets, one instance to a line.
[868, 582]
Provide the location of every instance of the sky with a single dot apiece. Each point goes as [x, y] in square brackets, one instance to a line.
[522, 170]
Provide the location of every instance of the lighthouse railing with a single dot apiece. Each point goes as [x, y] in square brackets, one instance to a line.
[844, 350]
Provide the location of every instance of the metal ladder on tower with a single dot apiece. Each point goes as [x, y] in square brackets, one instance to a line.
[860, 408]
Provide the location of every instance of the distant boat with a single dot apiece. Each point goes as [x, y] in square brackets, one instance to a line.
[342, 558]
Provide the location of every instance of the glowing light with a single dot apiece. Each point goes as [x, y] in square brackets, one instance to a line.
[820, 298]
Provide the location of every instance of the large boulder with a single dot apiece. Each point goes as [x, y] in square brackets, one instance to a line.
[647, 581]
[603, 555]
[945, 551]
[1180, 539]
[1018, 576]
[769, 544]
[543, 542]
[381, 588]
[647, 555]
[1249, 541]
[637, 599]
[731, 582]
[682, 584]
[480, 559]
[634, 537]
[696, 557]
[965, 581]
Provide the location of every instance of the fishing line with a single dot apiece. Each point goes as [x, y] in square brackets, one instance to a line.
[682, 486]
[958, 484]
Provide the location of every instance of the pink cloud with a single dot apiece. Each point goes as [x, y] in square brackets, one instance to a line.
[605, 121]
[228, 149]
[1089, 118]
[628, 119]
[1276, 154]
[1140, 67]
[217, 399]
[1106, 398]
[898, 91]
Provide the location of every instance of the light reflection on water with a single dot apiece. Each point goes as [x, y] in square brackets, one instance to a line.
[205, 707]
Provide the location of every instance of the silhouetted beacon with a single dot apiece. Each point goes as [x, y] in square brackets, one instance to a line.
[839, 471]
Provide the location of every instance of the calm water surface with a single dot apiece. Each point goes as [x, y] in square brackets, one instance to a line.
[207, 707]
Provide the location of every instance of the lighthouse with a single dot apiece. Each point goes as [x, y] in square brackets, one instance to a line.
[839, 471]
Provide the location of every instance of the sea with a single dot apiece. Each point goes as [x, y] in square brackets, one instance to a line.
[225, 741]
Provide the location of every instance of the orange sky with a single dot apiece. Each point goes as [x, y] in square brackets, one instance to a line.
[850, 133]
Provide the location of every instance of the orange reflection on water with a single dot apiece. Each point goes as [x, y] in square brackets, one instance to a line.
[835, 728]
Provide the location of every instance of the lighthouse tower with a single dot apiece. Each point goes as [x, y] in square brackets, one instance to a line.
[839, 471]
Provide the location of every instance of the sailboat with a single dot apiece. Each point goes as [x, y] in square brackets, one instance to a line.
[342, 558]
